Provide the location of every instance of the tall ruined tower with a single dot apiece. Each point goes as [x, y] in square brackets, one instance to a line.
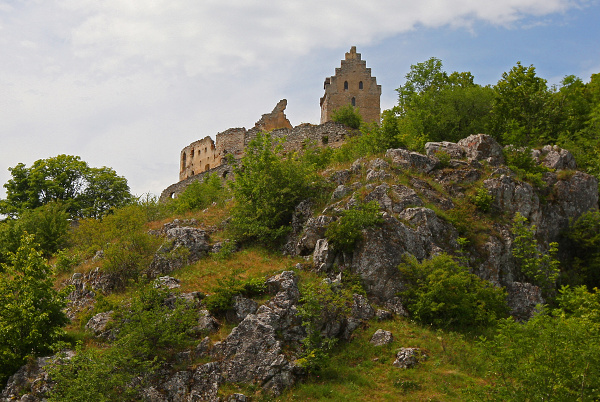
[353, 85]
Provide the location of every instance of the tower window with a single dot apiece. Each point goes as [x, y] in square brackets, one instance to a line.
[345, 85]
[353, 101]
[360, 85]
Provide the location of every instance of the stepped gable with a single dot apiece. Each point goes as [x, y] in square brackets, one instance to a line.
[353, 85]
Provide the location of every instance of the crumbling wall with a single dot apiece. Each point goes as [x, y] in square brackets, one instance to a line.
[197, 157]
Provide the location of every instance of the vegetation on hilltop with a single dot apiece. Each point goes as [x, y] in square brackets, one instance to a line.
[458, 318]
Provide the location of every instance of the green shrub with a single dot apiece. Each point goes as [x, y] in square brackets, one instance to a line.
[227, 288]
[482, 199]
[320, 305]
[267, 188]
[122, 235]
[201, 194]
[443, 159]
[551, 357]
[584, 242]
[31, 310]
[347, 115]
[347, 230]
[522, 163]
[444, 294]
[66, 261]
[540, 268]
[149, 333]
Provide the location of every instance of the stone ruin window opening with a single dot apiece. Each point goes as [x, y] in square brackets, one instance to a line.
[207, 167]
[353, 102]
[345, 85]
[184, 159]
[192, 153]
[360, 85]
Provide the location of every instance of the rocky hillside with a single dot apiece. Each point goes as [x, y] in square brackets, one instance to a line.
[458, 199]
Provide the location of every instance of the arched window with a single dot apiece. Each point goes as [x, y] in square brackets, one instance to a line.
[360, 85]
[353, 101]
[345, 85]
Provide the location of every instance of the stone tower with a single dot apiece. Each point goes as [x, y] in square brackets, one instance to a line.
[353, 85]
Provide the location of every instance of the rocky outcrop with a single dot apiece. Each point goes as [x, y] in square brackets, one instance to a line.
[408, 358]
[183, 245]
[411, 228]
[381, 337]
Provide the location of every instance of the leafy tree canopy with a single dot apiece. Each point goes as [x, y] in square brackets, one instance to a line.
[85, 191]
[31, 310]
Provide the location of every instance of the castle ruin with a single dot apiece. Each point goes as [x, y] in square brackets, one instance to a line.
[352, 84]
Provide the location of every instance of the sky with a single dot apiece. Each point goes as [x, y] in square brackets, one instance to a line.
[127, 83]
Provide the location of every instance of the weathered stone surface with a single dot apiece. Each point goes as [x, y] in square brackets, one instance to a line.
[242, 306]
[340, 192]
[512, 196]
[323, 257]
[522, 299]
[383, 315]
[361, 308]
[206, 322]
[32, 382]
[314, 230]
[377, 175]
[394, 304]
[409, 358]
[379, 164]
[340, 177]
[357, 166]
[205, 382]
[555, 157]
[167, 282]
[381, 337]
[252, 353]
[236, 398]
[454, 150]
[377, 257]
[184, 245]
[411, 160]
[404, 197]
[98, 324]
[380, 194]
[482, 147]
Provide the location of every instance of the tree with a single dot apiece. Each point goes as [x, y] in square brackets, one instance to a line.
[443, 293]
[85, 191]
[267, 188]
[348, 115]
[435, 106]
[31, 310]
[49, 224]
[520, 111]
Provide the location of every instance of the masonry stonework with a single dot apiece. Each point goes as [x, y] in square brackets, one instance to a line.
[353, 85]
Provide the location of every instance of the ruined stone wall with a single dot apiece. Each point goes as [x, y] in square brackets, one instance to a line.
[230, 142]
[353, 85]
[197, 157]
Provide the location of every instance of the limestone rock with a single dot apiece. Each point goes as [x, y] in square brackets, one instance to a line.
[404, 197]
[314, 229]
[184, 245]
[98, 325]
[242, 306]
[411, 160]
[380, 194]
[340, 177]
[482, 147]
[383, 315]
[522, 299]
[409, 358]
[340, 192]
[555, 157]
[167, 282]
[381, 337]
[206, 322]
[454, 150]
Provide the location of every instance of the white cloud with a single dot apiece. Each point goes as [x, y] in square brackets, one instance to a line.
[127, 83]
